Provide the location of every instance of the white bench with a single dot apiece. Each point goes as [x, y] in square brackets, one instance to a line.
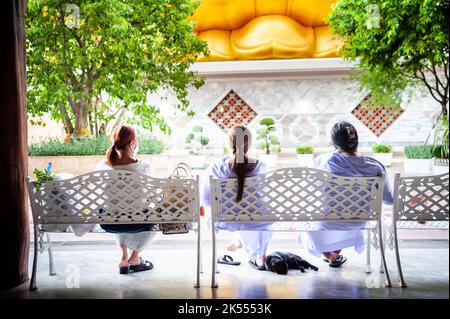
[112, 197]
[421, 203]
[305, 195]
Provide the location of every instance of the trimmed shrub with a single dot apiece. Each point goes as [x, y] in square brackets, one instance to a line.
[419, 151]
[382, 148]
[92, 146]
[304, 149]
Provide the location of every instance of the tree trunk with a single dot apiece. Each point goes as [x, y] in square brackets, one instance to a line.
[68, 127]
[14, 235]
[81, 118]
[444, 106]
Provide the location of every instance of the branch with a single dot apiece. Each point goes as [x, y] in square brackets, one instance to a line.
[66, 118]
[430, 89]
[445, 63]
[436, 76]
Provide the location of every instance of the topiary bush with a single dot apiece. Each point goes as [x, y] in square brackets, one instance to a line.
[92, 146]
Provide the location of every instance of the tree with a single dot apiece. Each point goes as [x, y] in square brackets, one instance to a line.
[399, 45]
[123, 49]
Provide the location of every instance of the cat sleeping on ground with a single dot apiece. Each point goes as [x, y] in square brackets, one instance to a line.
[281, 262]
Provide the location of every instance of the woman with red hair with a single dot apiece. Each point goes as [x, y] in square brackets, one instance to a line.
[122, 156]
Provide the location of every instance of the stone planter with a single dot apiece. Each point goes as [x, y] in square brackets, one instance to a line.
[440, 166]
[418, 166]
[270, 160]
[196, 161]
[383, 158]
[305, 160]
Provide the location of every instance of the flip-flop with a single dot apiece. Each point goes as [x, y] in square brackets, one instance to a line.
[338, 262]
[255, 265]
[124, 270]
[142, 266]
[228, 260]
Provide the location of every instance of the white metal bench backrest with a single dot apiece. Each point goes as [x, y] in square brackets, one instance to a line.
[114, 196]
[421, 198]
[298, 194]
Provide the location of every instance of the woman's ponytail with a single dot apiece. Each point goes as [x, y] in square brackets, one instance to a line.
[112, 156]
[239, 161]
[121, 137]
[240, 169]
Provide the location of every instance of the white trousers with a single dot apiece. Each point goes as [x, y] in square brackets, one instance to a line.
[255, 242]
[135, 241]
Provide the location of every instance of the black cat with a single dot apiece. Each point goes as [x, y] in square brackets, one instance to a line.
[281, 262]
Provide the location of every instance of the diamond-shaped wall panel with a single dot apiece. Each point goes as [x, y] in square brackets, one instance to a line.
[376, 119]
[232, 110]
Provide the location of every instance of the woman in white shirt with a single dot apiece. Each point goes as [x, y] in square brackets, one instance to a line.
[122, 156]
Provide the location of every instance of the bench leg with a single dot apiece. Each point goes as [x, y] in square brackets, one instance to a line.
[397, 257]
[199, 257]
[50, 256]
[214, 261]
[381, 261]
[383, 257]
[35, 260]
[368, 269]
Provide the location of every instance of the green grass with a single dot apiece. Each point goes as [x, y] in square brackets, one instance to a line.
[419, 151]
[91, 146]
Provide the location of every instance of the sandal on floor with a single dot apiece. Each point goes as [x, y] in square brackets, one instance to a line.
[255, 265]
[228, 260]
[124, 270]
[142, 266]
[338, 262]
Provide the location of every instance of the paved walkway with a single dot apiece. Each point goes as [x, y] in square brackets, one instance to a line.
[92, 265]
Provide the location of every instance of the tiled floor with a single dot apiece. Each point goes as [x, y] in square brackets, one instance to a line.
[426, 268]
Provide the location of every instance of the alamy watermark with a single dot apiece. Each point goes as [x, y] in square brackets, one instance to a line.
[72, 276]
[73, 16]
[373, 16]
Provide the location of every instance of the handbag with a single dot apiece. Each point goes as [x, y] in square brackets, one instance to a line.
[181, 171]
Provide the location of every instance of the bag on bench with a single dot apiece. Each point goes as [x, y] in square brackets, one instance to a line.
[171, 196]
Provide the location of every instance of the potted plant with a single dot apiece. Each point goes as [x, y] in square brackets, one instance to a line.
[268, 141]
[441, 149]
[441, 159]
[196, 142]
[305, 155]
[419, 159]
[382, 153]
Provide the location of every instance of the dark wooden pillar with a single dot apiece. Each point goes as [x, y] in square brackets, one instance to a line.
[14, 222]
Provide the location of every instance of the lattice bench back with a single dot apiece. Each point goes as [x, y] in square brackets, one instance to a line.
[421, 198]
[298, 194]
[115, 196]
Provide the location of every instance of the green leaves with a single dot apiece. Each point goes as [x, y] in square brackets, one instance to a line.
[269, 142]
[419, 151]
[381, 148]
[195, 141]
[409, 49]
[123, 49]
[304, 149]
[42, 177]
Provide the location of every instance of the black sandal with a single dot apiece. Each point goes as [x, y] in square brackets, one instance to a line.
[255, 265]
[124, 270]
[338, 262]
[228, 260]
[142, 266]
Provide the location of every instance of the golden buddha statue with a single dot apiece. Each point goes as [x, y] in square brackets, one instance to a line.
[265, 29]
